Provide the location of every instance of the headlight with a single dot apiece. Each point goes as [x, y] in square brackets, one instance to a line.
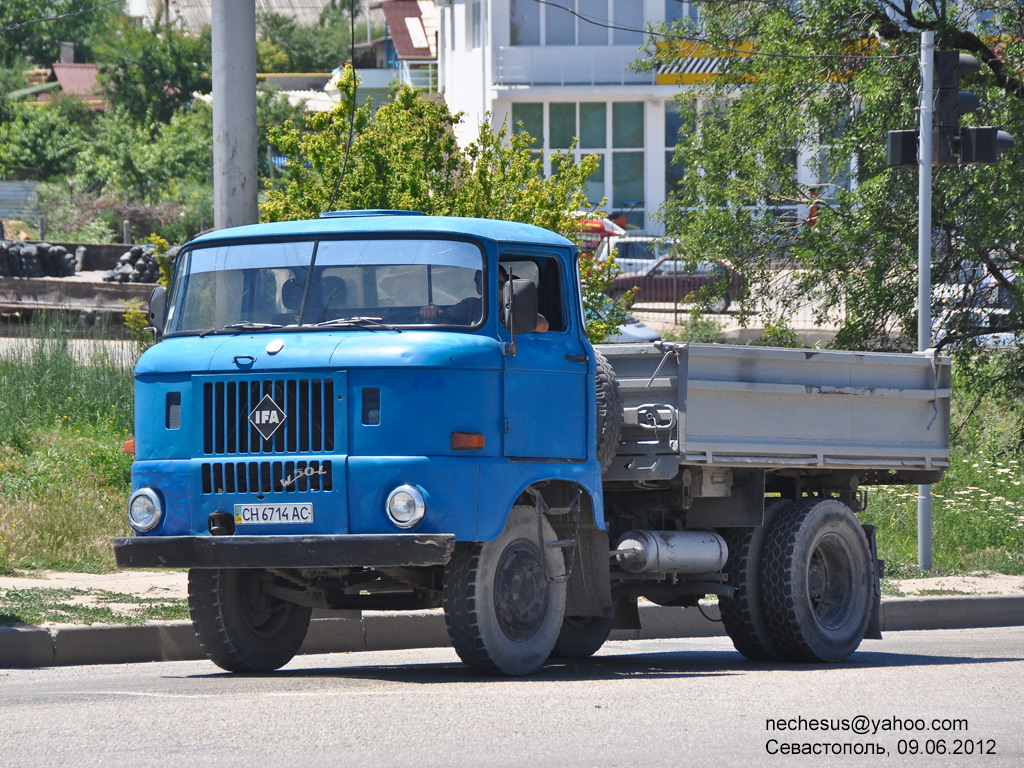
[144, 510]
[405, 506]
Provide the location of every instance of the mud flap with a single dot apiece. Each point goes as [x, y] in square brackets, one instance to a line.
[874, 630]
[589, 587]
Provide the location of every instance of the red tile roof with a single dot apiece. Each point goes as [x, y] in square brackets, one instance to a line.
[79, 80]
[406, 22]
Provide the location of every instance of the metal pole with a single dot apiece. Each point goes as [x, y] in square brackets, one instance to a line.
[924, 268]
[235, 179]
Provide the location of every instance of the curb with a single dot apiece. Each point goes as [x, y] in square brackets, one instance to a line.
[65, 645]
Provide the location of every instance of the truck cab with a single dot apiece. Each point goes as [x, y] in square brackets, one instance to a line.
[336, 405]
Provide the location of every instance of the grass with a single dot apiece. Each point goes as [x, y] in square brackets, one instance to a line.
[85, 606]
[977, 518]
[65, 412]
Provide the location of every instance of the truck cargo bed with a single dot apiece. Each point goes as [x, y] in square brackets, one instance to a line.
[741, 406]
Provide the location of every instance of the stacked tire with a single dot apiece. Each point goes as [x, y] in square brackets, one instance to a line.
[19, 259]
[137, 265]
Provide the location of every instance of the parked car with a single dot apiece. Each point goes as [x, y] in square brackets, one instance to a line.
[635, 253]
[669, 280]
[632, 331]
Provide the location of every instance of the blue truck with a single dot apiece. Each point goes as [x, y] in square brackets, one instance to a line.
[380, 410]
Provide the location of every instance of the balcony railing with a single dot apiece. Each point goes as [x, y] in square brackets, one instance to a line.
[422, 76]
[567, 65]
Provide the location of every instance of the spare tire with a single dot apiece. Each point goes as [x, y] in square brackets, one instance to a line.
[609, 411]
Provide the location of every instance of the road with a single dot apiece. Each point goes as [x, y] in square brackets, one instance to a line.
[639, 703]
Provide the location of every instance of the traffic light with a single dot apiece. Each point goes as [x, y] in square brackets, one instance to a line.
[951, 103]
[951, 144]
[983, 145]
[901, 149]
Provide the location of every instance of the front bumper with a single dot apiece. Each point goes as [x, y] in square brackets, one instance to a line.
[355, 550]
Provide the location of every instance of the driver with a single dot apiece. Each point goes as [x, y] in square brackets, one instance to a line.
[468, 310]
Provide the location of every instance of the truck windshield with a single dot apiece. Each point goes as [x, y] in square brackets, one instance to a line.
[395, 282]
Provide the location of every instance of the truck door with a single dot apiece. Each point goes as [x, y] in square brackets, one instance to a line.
[546, 402]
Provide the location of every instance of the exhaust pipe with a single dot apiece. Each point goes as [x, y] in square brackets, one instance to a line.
[671, 552]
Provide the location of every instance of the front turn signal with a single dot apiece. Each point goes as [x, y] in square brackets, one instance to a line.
[129, 447]
[467, 441]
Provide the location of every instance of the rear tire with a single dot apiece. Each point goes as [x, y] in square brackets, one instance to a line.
[581, 636]
[502, 614]
[743, 613]
[240, 628]
[818, 582]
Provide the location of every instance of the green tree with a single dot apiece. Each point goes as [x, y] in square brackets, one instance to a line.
[84, 22]
[48, 138]
[404, 156]
[151, 72]
[11, 79]
[827, 80]
[287, 46]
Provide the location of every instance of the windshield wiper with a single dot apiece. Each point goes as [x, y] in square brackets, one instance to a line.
[370, 323]
[246, 326]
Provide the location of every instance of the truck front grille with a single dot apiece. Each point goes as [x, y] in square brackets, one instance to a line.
[267, 477]
[308, 405]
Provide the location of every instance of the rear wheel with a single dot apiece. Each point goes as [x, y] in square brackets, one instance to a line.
[502, 613]
[818, 582]
[743, 614]
[241, 628]
[719, 305]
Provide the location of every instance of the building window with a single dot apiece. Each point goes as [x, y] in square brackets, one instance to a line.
[577, 22]
[475, 31]
[591, 125]
[524, 22]
[530, 118]
[629, 22]
[680, 10]
[674, 126]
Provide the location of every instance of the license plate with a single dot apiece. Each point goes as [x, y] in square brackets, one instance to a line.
[267, 514]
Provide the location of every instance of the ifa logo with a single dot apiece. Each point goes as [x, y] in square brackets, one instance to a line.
[267, 417]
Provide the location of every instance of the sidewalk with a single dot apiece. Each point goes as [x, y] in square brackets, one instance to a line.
[981, 601]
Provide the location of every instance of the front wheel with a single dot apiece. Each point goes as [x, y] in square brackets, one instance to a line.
[502, 613]
[818, 582]
[241, 628]
[581, 636]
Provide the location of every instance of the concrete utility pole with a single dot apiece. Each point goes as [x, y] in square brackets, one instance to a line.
[235, 180]
[924, 267]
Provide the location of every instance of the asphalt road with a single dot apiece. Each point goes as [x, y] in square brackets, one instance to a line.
[639, 703]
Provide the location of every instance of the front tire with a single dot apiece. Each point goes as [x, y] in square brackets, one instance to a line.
[240, 628]
[503, 615]
[818, 582]
[581, 636]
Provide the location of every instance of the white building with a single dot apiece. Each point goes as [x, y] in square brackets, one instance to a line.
[563, 76]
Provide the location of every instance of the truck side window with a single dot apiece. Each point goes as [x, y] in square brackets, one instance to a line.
[546, 274]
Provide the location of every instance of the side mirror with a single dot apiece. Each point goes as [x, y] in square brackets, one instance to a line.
[519, 306]
[158, 310]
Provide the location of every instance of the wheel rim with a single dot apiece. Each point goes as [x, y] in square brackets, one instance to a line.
[830, 581]
[520, 591]
[265, 616]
